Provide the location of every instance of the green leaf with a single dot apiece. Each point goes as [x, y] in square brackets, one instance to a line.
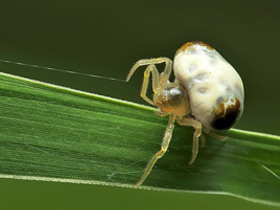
[53, 133]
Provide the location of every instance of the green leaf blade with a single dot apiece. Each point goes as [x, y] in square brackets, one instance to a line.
[58, 134]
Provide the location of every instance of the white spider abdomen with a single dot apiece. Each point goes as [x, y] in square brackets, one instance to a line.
[214, 88]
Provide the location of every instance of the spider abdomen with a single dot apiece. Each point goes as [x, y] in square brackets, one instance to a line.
[214, 88]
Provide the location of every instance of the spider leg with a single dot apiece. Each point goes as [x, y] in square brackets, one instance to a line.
[187, 121]
[159, 154]
[202, 140]
[166, 73]
[152, 69]
[144, 62]
[213, 134]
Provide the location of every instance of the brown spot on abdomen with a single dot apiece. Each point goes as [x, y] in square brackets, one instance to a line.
[226, 118]
[189, 44]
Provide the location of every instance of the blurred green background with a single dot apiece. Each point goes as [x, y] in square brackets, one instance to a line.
[106, 38]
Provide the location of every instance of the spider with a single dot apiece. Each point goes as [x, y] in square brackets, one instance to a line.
[207, 94]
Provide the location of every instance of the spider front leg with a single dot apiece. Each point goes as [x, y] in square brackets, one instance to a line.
[151, 68]
[187, 121]
[158, 79]
[159, 154]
